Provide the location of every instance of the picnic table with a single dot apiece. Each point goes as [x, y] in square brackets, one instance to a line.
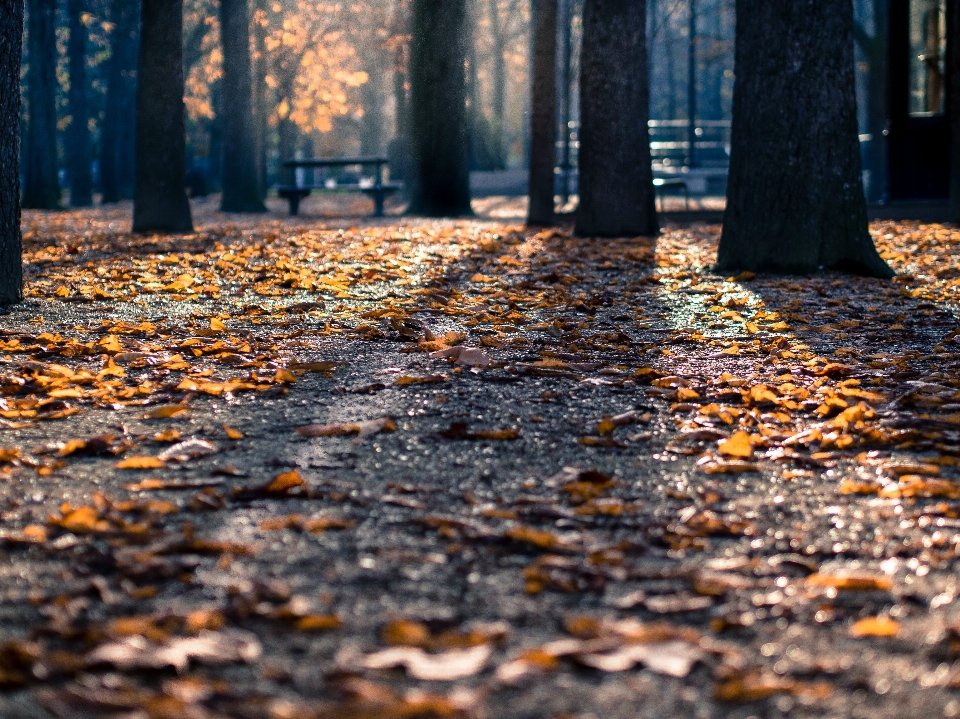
[375, 188]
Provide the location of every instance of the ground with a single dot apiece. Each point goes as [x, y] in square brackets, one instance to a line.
[360, 468]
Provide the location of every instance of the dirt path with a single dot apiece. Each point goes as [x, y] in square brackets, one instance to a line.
[428, 469]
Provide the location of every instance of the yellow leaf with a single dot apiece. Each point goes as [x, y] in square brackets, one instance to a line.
[140, 463]
[217, 325]
[736, 446]
[166, 412]
[855, 583]
[110, 344]
[606, 426]
[318, 623]
[875, 627]
[284, 375]
[284, 482]
[233, 433]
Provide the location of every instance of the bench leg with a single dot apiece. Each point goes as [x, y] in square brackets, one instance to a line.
[294, 201]
[378, 199]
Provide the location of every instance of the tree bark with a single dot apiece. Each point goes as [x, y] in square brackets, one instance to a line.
[11, 247]
[543, 124]
[372, 94]
[260, 90]
[41, 186]
[795, 201]
[616, 178]
[241, 189]
[953, 107]
[499, 87]
[78, 134]
[160, 200]
[439, 109]
[118, 135]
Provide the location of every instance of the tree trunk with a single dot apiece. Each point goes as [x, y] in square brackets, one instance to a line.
[260, 90]
[78, 135]
[41, 187]
[953, 108]
[241, 190]
[616, 178]
[118, 134]
[499, 88]
[543, 125]
[215, 138]
[371, 94]
[160, 200]
[439, 109]
[795, 201]
[11, 248]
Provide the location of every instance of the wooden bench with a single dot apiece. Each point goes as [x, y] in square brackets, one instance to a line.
[378, 191]
[660, 184]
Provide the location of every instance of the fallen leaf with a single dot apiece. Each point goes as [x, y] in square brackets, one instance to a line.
[875, 627]
[141, 463]
[232, 646]
[448, 666]
[738, 445]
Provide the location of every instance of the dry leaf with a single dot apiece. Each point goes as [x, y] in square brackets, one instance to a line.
[140, 463]
[445, 667]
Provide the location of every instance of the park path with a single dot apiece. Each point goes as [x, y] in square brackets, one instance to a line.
[327, 468]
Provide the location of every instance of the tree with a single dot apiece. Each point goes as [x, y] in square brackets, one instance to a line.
[543, 126]
[118, 134]
[874, 48]
[616, 177]
[78, 135]
[795, 199]
[41, 186]
[438, 98]
[953, 110]
[241, 188]
[160, 200]
[11, 252]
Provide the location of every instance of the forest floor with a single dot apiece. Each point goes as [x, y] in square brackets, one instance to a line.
[362, 469]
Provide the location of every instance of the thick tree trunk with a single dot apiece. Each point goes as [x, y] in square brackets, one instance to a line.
[118, 134]
[41, 186]
[160, 200]
[11, 253]
[795, 200]
[78, 134]
[543, 126]
[439, 109]
[241, 190]
[616, 178]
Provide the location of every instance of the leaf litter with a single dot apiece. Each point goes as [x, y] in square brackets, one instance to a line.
[776, 466]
